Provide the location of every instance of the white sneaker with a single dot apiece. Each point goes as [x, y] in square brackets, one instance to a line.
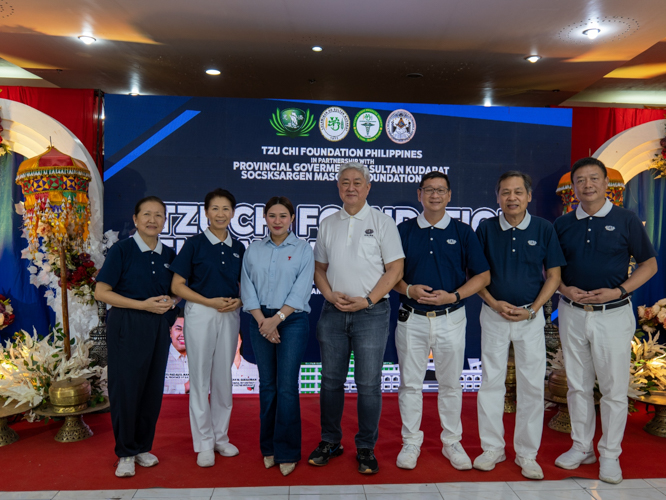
[226, 450]
[456, 454]
[125, 467]
[206, 458]
[572, 459]
[488, 459]
[408, 456]
[146, 459]
[609, 470]
[530, 467]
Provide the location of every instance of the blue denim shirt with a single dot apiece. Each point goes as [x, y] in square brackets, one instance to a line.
[274, 276]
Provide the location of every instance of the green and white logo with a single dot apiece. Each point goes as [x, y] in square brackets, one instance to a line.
[334, 124]
[368, 125]
[292, 122]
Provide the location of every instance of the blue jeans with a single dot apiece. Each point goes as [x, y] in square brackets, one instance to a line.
[279, 367]
[339, 333]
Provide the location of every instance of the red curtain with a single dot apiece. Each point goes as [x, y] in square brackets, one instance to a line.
[592, 127]
[76, 109]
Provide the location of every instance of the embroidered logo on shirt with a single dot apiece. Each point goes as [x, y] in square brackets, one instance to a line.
[237, 256]
[531, 243]
[289, 258]
[451, 241]
[610, 228]
[369, 231]
[167, 265]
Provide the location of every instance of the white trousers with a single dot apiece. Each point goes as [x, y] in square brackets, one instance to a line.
[211, 339]
[414, 338]
[597, 343]
[529, 348]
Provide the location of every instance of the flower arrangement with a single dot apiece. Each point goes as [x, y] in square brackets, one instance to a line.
[648, 357]
[659, 161]
[6, 310]
[81, 273]
[30, 363]
[4, 148]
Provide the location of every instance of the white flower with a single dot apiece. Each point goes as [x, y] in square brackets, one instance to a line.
[20, 208]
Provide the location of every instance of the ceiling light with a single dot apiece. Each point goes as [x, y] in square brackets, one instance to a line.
[213, 72]
[317, 48]
[533, 58]
[487, 102]
[592, 33]
[133, 93]
[87, 39]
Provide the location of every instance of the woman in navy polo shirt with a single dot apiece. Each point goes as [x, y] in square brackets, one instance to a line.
[135, 280]
[276, 284]
[211, 264]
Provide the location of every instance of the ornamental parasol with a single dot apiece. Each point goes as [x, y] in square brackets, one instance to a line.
[57, 209]
[615, 192]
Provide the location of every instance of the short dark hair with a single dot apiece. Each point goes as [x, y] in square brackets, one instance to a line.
[527, 180]
[435, 174]
[220, 193]
[588, 162]
[137, 207]
[279, 200]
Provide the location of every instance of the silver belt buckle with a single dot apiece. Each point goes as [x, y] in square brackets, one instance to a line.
[431, 314]
[588, 307]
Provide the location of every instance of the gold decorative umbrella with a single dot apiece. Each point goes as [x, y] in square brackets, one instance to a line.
[57, 209]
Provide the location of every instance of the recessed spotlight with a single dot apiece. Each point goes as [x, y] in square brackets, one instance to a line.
[133, 93]
[533, 58]
[317, 48]
[87, 39]
[592, 33]
[213, 72]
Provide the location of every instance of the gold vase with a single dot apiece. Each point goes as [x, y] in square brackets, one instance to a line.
[557, 383]
[69, 395]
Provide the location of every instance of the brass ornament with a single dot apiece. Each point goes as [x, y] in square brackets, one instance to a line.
[657, 425]
[70, 395]
[510, 404]
[74, 429]
[7, 434]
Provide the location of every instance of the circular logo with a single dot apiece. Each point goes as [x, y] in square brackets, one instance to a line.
[400, 126]
[368, 125]
[292, 119]
[334, 124]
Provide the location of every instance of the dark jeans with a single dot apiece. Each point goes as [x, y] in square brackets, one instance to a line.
[339, 333]
[138, 348]
[279, 367]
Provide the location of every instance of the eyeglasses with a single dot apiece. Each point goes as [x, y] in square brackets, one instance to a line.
[430, 191]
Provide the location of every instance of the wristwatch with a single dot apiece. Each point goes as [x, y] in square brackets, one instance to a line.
[281, 315]
[624, 293]
[370, 303]
[457, 297]
[531, 311]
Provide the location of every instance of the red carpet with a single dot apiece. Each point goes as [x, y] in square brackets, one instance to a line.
[37, 462]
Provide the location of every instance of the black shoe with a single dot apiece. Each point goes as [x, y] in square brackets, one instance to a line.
[324, 452]
[367, 463]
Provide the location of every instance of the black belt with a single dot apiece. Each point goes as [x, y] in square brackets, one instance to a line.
[600, 307]
[433, 314]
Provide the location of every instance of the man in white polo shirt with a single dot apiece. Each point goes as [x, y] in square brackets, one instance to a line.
[358, 260]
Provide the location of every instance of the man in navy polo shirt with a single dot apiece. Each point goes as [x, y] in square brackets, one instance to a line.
[597, 322]
[519, 247]
[439, 254]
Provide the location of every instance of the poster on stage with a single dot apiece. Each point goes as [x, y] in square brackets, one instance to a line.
[180, 148]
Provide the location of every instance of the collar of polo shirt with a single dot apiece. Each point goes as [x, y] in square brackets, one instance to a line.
[289, 240]
[504, 224]
[443, 223]
[360, 215]
[215, 240]
[603, 212]
[145, 248]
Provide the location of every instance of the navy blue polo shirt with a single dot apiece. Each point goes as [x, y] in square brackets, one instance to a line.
[135, 271]
[212, 267]
[598, 247]
[439, 256]
[518, 256]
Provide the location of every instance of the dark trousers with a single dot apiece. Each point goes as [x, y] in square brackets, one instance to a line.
[138, 348]
[279, 367]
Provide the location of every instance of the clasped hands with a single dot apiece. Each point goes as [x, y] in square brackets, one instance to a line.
[268, 328]
[159, 304]
[424, 294]
[598, 296]
[224, 304]
[511, 312]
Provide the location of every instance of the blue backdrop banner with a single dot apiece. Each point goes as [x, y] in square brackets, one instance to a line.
[180, 148]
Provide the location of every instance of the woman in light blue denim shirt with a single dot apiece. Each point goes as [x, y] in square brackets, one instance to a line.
[276, 284]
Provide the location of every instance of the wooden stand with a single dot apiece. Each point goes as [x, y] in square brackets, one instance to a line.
[65, 306]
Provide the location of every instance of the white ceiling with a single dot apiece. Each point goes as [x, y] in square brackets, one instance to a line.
[469, 52]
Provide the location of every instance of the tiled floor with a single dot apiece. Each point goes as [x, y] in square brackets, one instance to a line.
[570, 489]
